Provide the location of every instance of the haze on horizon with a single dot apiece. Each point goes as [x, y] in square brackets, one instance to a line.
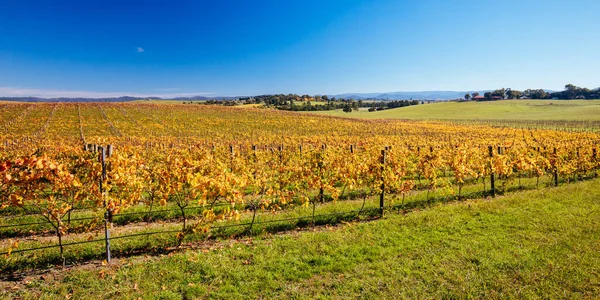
[233, 48]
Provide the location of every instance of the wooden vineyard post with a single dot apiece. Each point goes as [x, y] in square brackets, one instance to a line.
[352, 149]
[381, 196]
[254, 159]
[594, 160]
[492, 181]
[555, 168]
[107, 216]
[280, 150]
[109, 150]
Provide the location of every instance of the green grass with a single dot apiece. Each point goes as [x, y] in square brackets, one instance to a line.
[533, 110]
[328, 213]
[534, 244]
[343, 210]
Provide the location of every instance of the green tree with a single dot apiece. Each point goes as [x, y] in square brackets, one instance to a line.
[467, 96]
[500, 93]
[513, 94]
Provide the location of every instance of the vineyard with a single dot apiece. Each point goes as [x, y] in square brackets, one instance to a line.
[79, 181]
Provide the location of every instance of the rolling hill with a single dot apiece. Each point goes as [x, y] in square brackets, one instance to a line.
[571, 110]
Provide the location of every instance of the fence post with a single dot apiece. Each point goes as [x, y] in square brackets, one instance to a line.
[381, 196]
[280, 150]
[555, 168]
[594, 159]
[492, 181]
[109, 150]
[352, 149]
[102, 157]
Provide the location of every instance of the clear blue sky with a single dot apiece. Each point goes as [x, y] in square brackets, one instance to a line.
[99, 48]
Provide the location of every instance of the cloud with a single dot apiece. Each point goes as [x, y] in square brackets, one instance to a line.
[140, 49]
[31, 92]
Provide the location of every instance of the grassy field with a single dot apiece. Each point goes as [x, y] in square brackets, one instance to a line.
[534, 244]
[535, 110]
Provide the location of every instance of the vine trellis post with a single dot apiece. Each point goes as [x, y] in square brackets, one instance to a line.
[382, 195]
[492, 177]
[107, 213]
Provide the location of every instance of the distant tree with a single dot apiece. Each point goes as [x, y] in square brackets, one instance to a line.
[513, 94]
[500, 93]
[570, 91]
[517, 94]
[536, 94]
[347, 108]
[325, 98]
[488, 95]
[467, 96]
[475, 94]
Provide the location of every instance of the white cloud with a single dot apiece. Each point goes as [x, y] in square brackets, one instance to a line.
[30, 92]
[140, 49]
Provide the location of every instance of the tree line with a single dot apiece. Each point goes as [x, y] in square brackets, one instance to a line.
[570, 92]
[294, 102]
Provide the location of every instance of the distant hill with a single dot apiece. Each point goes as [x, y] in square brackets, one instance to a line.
[203, 98]
[38, 99]
[116, 99]
[421, 95]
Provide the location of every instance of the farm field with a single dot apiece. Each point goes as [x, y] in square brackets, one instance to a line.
[523, 110]
[196, 177]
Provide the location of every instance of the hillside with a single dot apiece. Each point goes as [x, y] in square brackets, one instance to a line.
[568, 110]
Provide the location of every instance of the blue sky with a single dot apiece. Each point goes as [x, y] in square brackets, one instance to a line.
[170, 48]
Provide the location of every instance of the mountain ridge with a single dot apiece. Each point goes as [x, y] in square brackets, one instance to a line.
[416, 95]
